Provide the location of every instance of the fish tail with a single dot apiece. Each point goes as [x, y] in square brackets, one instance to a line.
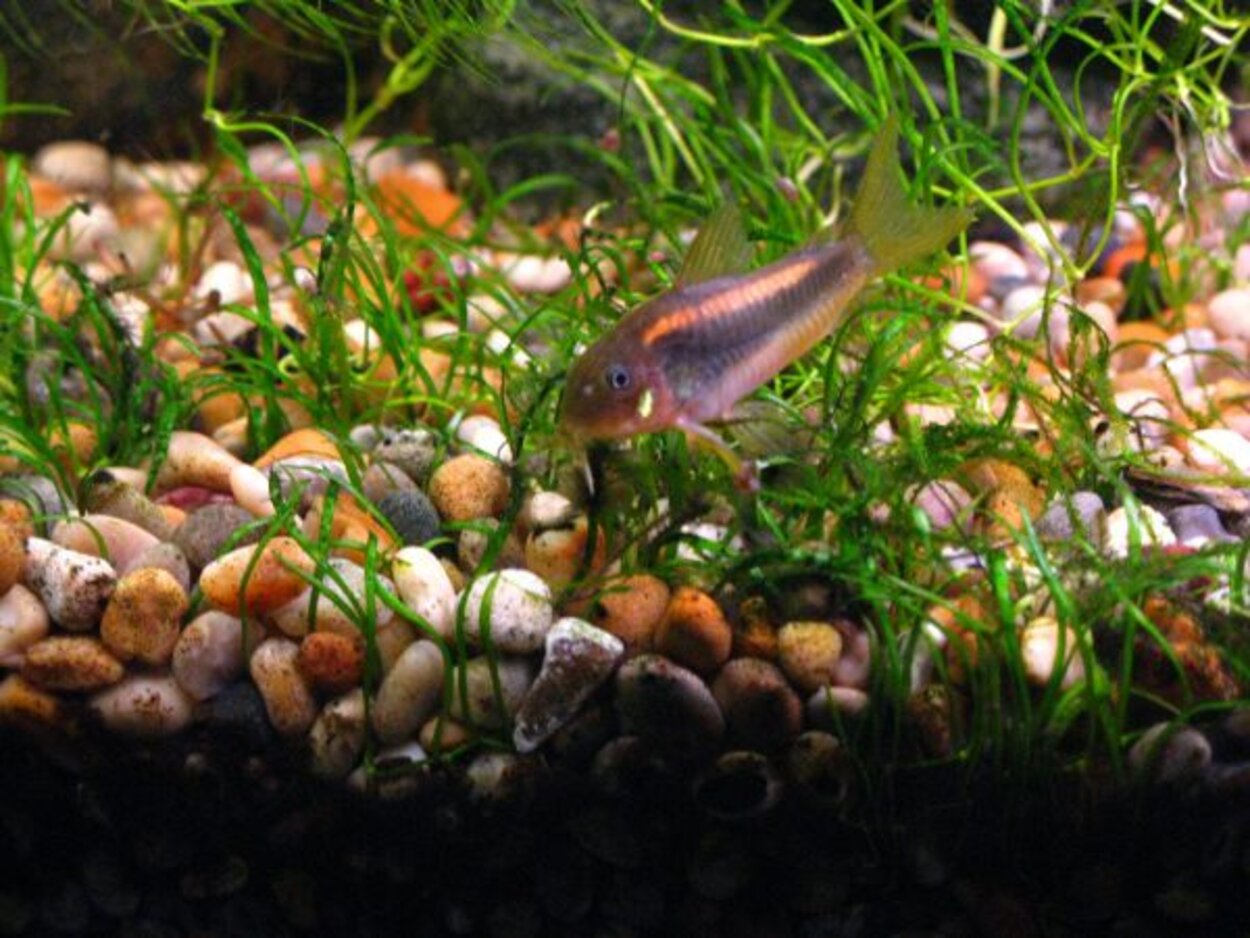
[894, 229]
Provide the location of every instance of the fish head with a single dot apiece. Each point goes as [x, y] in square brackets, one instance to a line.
[613, 391]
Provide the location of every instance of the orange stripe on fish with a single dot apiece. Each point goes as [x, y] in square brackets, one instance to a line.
[676, 320]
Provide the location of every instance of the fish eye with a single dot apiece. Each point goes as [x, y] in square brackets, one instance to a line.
[617, 377]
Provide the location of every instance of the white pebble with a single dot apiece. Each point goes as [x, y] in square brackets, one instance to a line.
[116, 540]
[250, 488]
[74, 587]
[968, 340]
[288, 700]
[1042, 655]
[409, 693]
[425, 588]
[1022, 308]
[23, 621]
[76, 165]
[1216, 449]
[520, 610]
[144, 705]
[1150, 529]
[482, 433]
[1229, 312]
[997, 261]
[209, 654]
[231, 283]
[337, 739]
[527, 273]
[336, 604]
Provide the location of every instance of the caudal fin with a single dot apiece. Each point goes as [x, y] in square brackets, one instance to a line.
[896, 230]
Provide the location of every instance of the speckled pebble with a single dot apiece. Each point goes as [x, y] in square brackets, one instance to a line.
[809, 653]
[167, 557]
[412, 450]
[119, 542]
[331, 663]
[73, 587]
[206, 530]
[479, 706]
[559, 555]
[23, 621]
[272, 580]
[578, 658]
[694, 631]
[412, 515]
[106, 493]
[336, 741]
[425, 588]
[631, 607]
[71, 663]
[288, 699]
[469, 486]
[409, 693]
[668, 706]
[143, 616]
[145, 706]
[761, 710]
[520, 610]
[209, 654]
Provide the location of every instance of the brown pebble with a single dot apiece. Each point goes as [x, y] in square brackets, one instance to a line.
[71, 663]
[469, 486]
[809, 653]
[144, 615]
[755, 635]
[12, 556]
[277, 577]
[442, 734]
[762, 712]
[631, 607]
[331, 663]
[26, 707]
[17, 515]
[694, 631]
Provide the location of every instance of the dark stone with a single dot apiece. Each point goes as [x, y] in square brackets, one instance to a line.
[239, 713]
[205, 532]
[412, 515]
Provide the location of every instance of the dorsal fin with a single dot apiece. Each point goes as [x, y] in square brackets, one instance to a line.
[718, 250]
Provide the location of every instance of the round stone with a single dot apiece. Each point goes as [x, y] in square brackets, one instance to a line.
[409, 693]
[204, 533]
[509, 610]
[144, 705]
[412, 515]
[762, 711]
[412, 450]
[288, 699]
[143, 616]
[74, 587]
[259, 584]
[425, 588]
[631, 607]
[331, 663]
[71, 663]
[12, 557]
[694, 631]
[668, 706]
[468, 487]
[23, 621]
[337, 739]
[809, 653]
[480, 704]
[209, 654]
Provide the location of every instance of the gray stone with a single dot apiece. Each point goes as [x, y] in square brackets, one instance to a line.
[1083, 511]
[412, 515]
[203, 535]
[669, 706]
[413, 450]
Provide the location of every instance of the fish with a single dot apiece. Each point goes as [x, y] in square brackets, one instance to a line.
[685, 358]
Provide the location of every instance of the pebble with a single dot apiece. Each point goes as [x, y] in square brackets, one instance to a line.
[1041, 644]
[1198, 525]
[1229, 313]
[331, 663]
[384, 478]
[1217, 450]
[513, 607]
[143, 616]
[105, 493]
[468, 487]
[631, 607]
[1171, 754]
[23, 621]
[473, 542]
[238, 713]
[339, 603]
[808, 653]
[740, 784]
[205, 532]
[73, 587]
[828, 707]
[119, 542]
[228, 280]
[412, 515]
[288, 700]
[195, 459]
[71, 663]
[762, 711]
[26, 707]
[442, 734]
[409, 693]
[336, 741]
[1022, 309]
[412, 450]
[12, 557]
[393, 775]
[694, 631]
[250, 488]
[483, 434]
[425, 588]
[275, 578]
[559, 555]
[145, 706]
[478, 705]
[1149, 529]
[38, 494]
[1056, 522]
[75, 165]
[577, 659]
[209, 654]
[945, 503]
[669, 706]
